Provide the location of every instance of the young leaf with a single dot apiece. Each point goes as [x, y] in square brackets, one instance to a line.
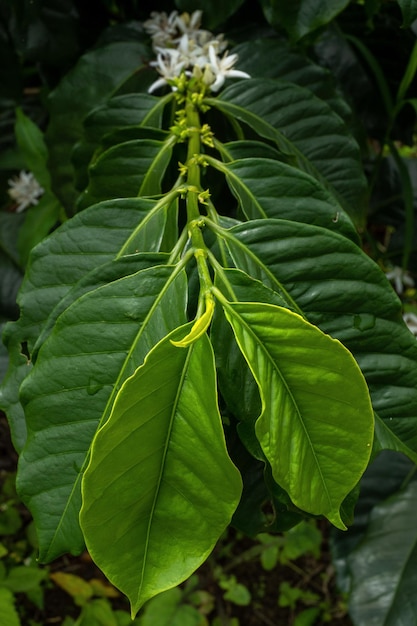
[156, 496]
[316, 425]
[96, 343]
[341, 290]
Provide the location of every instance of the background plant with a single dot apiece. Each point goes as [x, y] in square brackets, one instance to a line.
[271, 201]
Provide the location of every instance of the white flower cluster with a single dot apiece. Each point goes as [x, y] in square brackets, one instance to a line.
[182, 46]
[24, 190]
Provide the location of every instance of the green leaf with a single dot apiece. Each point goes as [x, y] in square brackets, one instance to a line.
[30, 140]
[166, 610]
[292, 66]
[302, 17]
[214, 13]
[128, 169]
[131, 109]
[8, 613]
[39, 221]
[341, 290]
[383, 564]
[409, 11]
[96, 343]
[180, 494]
[90, 239]
[320, 141]
[23, 579]
[267, 188]
[96, 77]
[299, 424]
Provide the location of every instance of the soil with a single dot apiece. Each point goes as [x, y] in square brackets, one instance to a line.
[307, 574]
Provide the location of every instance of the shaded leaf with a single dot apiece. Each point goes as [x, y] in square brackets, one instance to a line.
[181, 493]
[383, 564]
[301, 17]
[214, 12]
[409, 11]
[8, 613]
[95, 78]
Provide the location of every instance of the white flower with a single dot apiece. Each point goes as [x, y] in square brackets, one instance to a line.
[169, 64]
[401, 278]
[162, 27]
[222, 68]
[25, 190]
[189, 24]
[411, 320]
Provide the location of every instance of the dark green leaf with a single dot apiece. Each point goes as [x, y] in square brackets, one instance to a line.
[341, 290]
[301, 17]
[267, 188]
[90, 239]
[320, 141]
[30, 140]
[182, 491]
[96, 343]
[214, 13]
[409, 11]
[95, 78]
[383, 564]
[128, 169]
[292, 66]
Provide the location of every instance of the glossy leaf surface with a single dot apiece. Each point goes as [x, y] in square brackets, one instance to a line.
[302, 17]
[321, 272]
[320, 140]
[96, 343]
[383, 564]
[153, 483]
[316, 409]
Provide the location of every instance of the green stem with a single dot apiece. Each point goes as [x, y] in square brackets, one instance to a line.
[194, 220]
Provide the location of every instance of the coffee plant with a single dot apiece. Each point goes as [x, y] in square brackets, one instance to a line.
[210, 336]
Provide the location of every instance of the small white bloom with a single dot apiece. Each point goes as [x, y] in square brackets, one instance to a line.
[400, 278]
[162, 27]
[169, 63]
[24, 190]
[222, 68]
[189, 24]
[411, 320]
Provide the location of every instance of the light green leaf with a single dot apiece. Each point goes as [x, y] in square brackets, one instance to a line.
[301, 17]
[320, 141]
[341, 290]
[39, 221]
[8, 613]
[313, 395]
[383, 564]
[96, 343]
[156, 497]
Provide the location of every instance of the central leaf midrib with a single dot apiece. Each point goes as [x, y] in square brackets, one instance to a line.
[163, 461]
[284, 382]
